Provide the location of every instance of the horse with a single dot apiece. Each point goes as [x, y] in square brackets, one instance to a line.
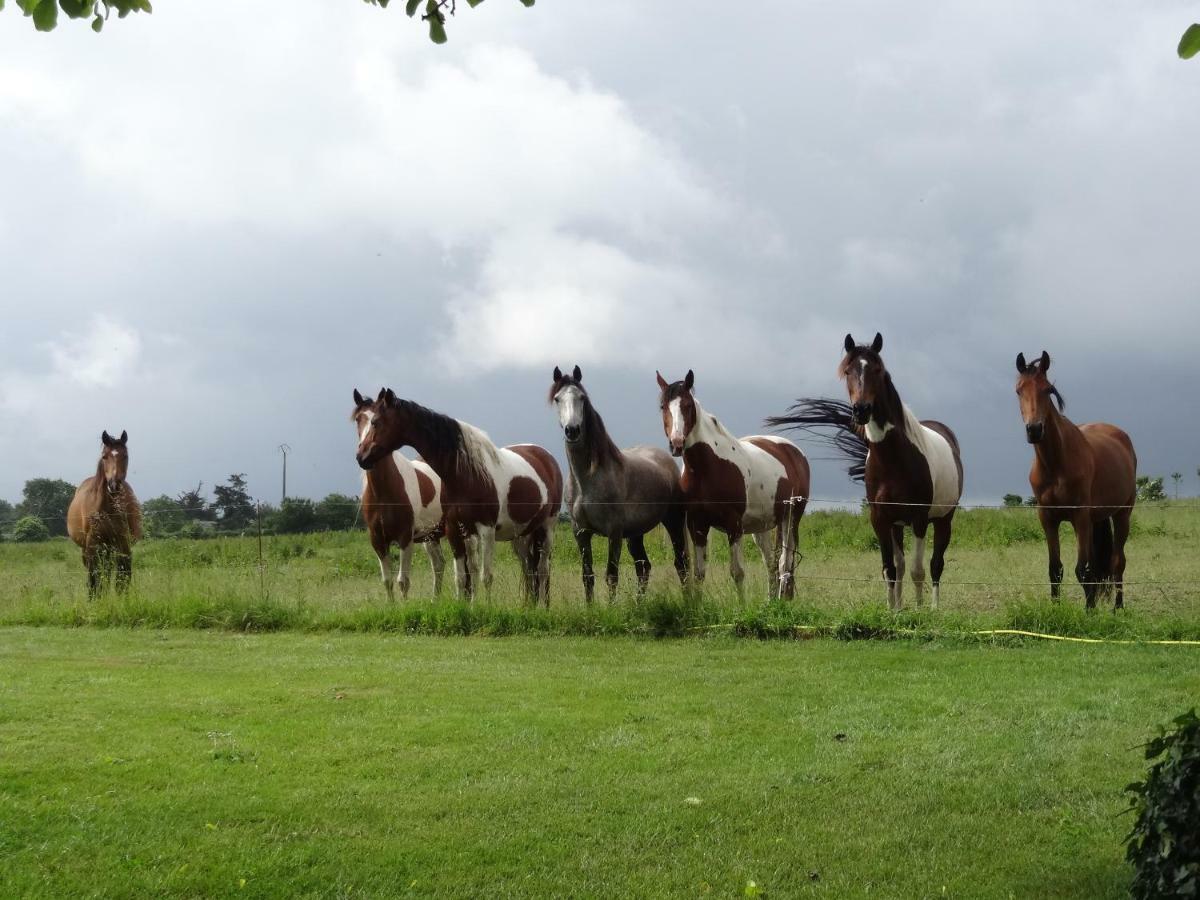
[615, 493]
[401, 505]
[752, 485]
[1082, 474]
[912, 469]
[104, 518]
[489, 493]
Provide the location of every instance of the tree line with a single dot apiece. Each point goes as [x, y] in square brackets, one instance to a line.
[42, 512]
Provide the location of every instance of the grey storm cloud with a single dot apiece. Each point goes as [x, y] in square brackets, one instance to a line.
[214, 256]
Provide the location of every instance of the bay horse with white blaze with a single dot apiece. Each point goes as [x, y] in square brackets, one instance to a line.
[1082, 474]
[912, 468]
[618, 494]
[104, 517]
[489, 493]
[401, 505]
[752, 485]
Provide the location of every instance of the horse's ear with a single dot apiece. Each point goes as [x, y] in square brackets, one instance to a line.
[1045, 360]
[557, 374]
[849, 345]
[358, 399]
[662, 382]
[105, 439]
[577, 375]
[389, 396]
[689, 380]
[124, 438]
[1021, 363]
[877, 344]
[382, 394]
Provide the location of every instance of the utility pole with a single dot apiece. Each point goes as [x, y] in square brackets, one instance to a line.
[284, 448]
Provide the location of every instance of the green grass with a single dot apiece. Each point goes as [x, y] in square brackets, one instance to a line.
[184, 763]
[995, 577]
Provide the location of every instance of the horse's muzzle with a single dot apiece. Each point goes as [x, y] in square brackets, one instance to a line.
[572, 433]
[862, 413]
[676, 448]
[1034, 432]
[365, 460]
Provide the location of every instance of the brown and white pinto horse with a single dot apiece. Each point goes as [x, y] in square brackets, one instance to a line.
[749, 485]
[401, 505]
[104, 517]
[1082, 474]
[489, 493]
[912, 469]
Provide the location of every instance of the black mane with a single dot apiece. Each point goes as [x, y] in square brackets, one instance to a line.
[831, 423]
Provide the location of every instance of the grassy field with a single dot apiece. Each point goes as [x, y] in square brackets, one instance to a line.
[185, 763]
[995, 577]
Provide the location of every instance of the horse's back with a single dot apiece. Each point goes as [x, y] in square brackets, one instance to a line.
[655, 460]
[1114, 476]
[546, 467]
[788, 455]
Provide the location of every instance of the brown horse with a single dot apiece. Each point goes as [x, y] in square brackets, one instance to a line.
[753, 485]
[912, 469]
[489, 493]
[1082, 474]
[401, 505]
[104, 517]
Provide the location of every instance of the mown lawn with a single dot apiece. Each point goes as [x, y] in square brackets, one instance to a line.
[192, 763]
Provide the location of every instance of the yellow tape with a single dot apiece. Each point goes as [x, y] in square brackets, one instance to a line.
[1079, 640]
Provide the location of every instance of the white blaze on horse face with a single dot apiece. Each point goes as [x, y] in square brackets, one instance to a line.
[364, 430]
[570, 407]
[676, 408]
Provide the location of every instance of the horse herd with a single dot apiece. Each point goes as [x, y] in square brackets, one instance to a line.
[474, 493]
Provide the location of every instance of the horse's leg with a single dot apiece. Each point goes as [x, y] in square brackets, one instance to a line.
[1120, 535]
[404, 578]
[790, 532]
[611, 569]
[699, 534]
[1050, 528]
[883, 534]
[737, 569]
[92, 563]
[487, 552]
[437, 562]
[124, 567]
[677, 532]
[584, 540]
[898, 550]
[1082, 523]
[382, 551]
[641, 562]
[460, 547]
[545, 548]
[766, 547]
[941, 540]
[918, 558]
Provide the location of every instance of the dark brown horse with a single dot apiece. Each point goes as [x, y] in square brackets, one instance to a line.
[754, 485]
[401, 505]
[104, 517]
[489, 493]
[1082, 474]
[912, 469]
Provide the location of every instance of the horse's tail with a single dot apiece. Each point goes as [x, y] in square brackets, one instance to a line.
[1102, 550]
[832, 423]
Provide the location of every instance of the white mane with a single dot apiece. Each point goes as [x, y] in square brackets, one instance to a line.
[481, 454]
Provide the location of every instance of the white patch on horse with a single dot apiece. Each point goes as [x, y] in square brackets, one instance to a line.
[676, 408]
[876, 432]
[570, 407]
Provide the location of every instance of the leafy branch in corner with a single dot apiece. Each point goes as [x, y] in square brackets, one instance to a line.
[435, 13]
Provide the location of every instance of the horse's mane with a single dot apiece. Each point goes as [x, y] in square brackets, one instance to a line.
[462, 442]
[830, 422]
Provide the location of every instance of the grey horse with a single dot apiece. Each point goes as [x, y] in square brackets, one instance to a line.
[615, 493]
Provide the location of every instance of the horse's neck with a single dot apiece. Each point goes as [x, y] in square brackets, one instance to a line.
[445, 461]
[709, 430]
[385, 477]
[104, 500]
[902, 430]
[595, 452]
[1052, 450]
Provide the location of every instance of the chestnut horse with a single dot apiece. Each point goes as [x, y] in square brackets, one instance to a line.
[1082, 474]
[749, 485]
[912, 469]
[615, 493]
[104, 517]
[488, 492]
[401, 505]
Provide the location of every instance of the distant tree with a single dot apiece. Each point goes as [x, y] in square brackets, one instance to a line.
[8, 514]
[45, 12]
[162, 517]
[1012, 500]
[1031, 501]
[1177, 477]
[297, 515]
[337, 512]
[29, 529]
[47, 499]
[233, 503]
[1150, 488]
[194, 506]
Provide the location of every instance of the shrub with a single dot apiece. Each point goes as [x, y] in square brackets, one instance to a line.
[29, 529]
[1164, 845]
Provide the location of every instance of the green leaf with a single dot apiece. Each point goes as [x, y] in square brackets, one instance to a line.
[527, 2]
[27, 6]
[45, 16]
[437, 31]
[411, 7]
[97, 24]
[76, 9]
[473, 3]
[1189, 44]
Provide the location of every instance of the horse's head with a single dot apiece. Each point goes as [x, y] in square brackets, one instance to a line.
[114, 460]
[383, 426]
[866, 378]
[569, 397]
[1035, 393]
[678, 403]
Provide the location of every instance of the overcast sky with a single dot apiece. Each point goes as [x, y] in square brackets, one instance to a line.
[215, 225]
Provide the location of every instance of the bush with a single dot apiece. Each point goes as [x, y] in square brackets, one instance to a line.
[1164, 845]
[29, 529]
[1150, 489]
[297, 515]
